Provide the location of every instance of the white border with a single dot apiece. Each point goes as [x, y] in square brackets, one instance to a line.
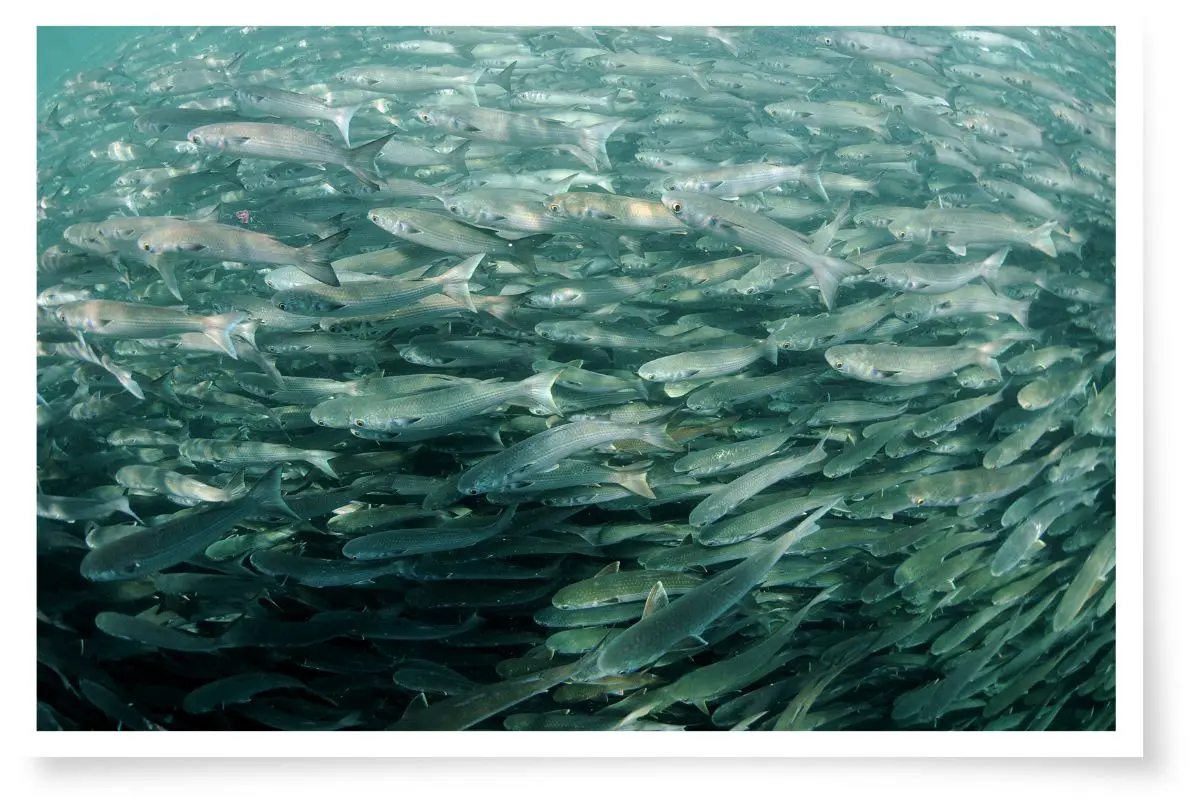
[1126, 741]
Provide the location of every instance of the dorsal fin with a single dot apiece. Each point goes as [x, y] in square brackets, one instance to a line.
[656, 600]
[610, 569]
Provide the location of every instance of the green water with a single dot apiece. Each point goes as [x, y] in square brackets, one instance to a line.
[62, 50]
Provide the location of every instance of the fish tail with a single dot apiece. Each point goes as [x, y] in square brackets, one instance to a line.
[341, 118]
[503, 78]
[1020, 312]
[606, 184]
[501, 308]
[1042, 240]
[657, 435]
[1024, 48]
[122, 504]
[829, 276]
[458, 158]
[991, 268]
[536, 389]
[166, 269]
[633, 478]
[985, 357]
[320, 459]
[770, 349]
[594, 139]
[455, 281]
[267, 493]
[812, 176]
[231, 172]
[218, 328]
[360, 161]
[315, 258]
[522, 249]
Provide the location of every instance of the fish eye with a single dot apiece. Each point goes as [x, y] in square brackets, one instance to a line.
[828, 40]
[454, 209]
[194, 138]
[553, 207]
[282, 306]
[146, 247]
[838, 363]
[671, 187]
[423, 117]
[882, 279]
[677, 207]
[902, 235]
[919, 501]
[360, 423]
[908, 315]
[970, 126]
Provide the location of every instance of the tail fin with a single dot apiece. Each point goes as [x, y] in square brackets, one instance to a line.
[320, 459]
[231, 172]
[122, 504]
[267, 494]
[316, 257]
[1041, 239]
[657, 435]
[536, 389]
[633, 478]
[610, 100]
[823, 238]
[454, 281]
[458, 158]
[829, 272]
[341, 118]
[1019, 310]
[360, 161]
[770, 349]
[166, 268]
[991, 269]
[985, 357]
[503, 79]
[218, 328]
[812, 176]
[594, 139]
[522, 249]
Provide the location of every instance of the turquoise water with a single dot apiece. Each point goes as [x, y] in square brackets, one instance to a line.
[383, 366]
[65, 50]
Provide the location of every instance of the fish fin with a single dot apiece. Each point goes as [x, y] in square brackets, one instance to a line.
[166, 268]
[633, 478]
[341, 120]
[829, 276]
[770, 349]
[122, 505]
[360, 161]
[455, 281]
[594, 139]
[418, 704]
[812, 178]
[522, 249]
[1020, 312]
[606, 184]
[657, 435]
[655, 601]
[537, 389]
[609, 569]
[503, 78]
[267, 493]
[320, 459]
[316, 257]
[991, 269]
[1042, 240]
[458, 158]
[959, 250]
[610, 243]
[218, 328]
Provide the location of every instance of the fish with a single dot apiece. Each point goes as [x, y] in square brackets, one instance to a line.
[578, 378]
